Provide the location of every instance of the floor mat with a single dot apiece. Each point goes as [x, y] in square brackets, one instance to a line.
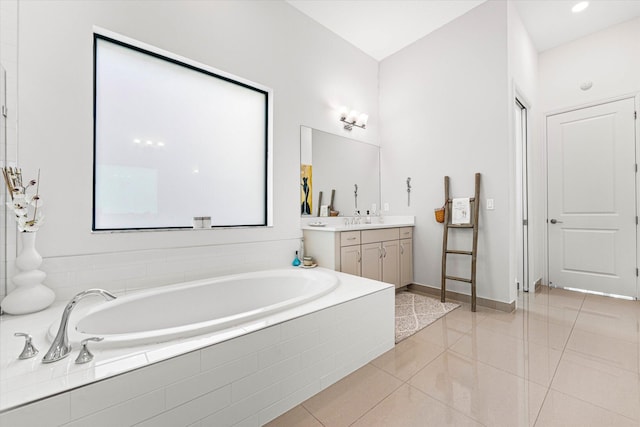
[415, 311]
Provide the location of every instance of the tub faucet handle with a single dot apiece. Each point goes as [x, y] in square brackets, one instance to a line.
[85, 355]
[29, 349]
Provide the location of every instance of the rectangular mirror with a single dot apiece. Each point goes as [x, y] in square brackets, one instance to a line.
[331, 162]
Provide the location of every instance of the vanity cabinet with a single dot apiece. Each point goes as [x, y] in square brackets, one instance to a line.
[384, 254]
[350, 253]
[406, 256]
[380, 255]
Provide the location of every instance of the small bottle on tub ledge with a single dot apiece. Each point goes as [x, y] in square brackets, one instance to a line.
[296, 260]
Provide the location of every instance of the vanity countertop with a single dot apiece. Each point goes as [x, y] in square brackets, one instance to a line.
[334, 224]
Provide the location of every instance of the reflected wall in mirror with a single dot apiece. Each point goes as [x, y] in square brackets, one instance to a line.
[331, 162]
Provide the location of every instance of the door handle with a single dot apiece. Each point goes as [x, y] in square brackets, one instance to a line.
[555, 221]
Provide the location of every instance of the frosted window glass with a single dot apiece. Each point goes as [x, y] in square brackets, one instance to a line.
[173, 142]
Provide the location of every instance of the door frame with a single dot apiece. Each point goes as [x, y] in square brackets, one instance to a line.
[522, 165]
[545, 168]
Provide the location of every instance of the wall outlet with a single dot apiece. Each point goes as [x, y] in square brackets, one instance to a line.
[386, 207]
[490, 204]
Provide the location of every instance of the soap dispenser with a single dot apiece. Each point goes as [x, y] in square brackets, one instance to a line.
[296, 260]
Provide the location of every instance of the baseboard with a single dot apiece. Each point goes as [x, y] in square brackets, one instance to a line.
[484, 302]
[538, 285]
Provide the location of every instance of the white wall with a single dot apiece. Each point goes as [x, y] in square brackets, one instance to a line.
[609, 58]
[523, 80]
[311, 70]
[444, 111]
[8, 127]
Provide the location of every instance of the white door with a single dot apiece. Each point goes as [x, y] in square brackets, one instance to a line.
[591, 190]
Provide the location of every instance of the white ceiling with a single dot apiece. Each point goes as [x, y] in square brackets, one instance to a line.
[383, 27]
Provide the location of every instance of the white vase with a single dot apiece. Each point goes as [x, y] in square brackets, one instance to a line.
[30, 295]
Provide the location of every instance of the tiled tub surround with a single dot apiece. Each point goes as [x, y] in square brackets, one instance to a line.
[246, 375]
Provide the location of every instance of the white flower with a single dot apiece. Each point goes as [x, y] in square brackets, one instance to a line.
[30, 225]
[19, 206]
[25, 203]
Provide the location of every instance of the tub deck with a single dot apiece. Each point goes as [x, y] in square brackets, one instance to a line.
[260, 368]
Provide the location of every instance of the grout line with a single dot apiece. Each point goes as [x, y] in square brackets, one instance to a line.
[381, 400]
[546, 395]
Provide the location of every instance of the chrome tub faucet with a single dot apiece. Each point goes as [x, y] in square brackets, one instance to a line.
[60, 347]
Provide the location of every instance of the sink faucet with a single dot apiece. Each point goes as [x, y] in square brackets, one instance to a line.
[60, 347]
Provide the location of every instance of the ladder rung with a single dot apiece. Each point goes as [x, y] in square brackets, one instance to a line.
[460, 252]
[471, 199]
[460, 225]
[459, 279]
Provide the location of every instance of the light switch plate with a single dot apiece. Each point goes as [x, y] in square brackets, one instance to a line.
[490, 204]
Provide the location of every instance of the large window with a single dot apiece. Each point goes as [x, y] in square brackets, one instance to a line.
[174, 140]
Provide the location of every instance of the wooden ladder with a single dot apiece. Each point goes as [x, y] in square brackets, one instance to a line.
[475, 205]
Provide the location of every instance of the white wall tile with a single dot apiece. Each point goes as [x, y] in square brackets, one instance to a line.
[217, 355]
[288, 402]
[266, 377]
[207, 381]
[97, 396]
[193, 410]
[253, 404]
[252, 421]
[284, 349]
[128, 413]
[53, 411]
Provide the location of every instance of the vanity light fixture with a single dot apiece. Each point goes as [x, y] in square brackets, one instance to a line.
[353, 118]
[579, 7]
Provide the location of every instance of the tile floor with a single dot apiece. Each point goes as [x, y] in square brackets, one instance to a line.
[561, 359]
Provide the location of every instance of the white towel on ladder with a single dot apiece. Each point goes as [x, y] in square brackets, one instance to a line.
[461, 211]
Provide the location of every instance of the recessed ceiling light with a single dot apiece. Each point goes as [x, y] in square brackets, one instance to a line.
[137, 141]
[149, 142]
[579, 7]
[160, 144]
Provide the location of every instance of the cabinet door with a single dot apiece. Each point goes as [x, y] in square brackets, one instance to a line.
[390, 262]
[350, 260]
[406, 262]
[371, 261]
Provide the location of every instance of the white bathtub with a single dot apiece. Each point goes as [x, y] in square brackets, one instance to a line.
[194, 308]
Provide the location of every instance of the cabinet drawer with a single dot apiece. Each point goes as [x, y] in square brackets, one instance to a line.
[406, 232]
[381, 235]
[348, 238]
